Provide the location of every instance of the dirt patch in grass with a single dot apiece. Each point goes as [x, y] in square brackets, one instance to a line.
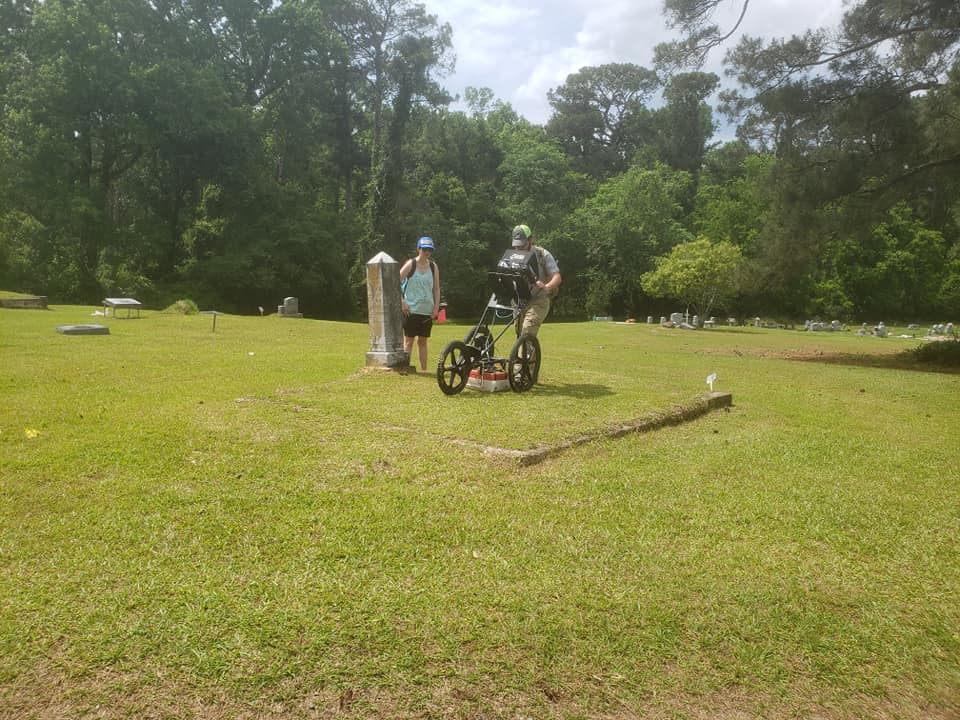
[111, 695]
[894, 360]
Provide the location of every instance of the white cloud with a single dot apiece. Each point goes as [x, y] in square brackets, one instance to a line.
[522, 51]
[608, 32]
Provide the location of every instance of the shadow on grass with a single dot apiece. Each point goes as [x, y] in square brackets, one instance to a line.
[583, 391]
[899, 361]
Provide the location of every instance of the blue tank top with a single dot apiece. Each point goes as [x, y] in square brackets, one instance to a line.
[419, 292]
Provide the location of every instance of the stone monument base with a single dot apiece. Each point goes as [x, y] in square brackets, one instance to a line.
[388, 359]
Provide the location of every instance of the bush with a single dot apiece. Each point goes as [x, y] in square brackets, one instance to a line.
[945, 353]
[184, 307]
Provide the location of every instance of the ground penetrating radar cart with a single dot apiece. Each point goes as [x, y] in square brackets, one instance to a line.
[474, 360]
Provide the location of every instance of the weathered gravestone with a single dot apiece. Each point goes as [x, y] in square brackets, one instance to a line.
[385, 313]
[290, 308]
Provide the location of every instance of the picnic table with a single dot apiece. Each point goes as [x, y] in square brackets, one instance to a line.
[129, 303]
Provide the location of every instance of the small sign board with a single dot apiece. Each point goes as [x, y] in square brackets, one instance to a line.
[214, 313]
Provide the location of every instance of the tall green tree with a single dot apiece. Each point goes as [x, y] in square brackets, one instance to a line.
[701, 274]
[732, 202]
[896, 271]
[74, 116]
[685, 122]
[845, 112]
[538, 183]
[115, 119]
[599, 116]
[397, 48]
[453, 180]
[613, 238]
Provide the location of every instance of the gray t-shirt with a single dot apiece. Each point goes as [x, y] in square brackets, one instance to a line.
[547, 267]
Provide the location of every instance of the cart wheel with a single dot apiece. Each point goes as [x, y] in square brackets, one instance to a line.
[453, 368]
[480, 338]
[524, 367]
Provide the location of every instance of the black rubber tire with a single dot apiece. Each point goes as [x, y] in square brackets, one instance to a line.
[453, 368]
[524, 366]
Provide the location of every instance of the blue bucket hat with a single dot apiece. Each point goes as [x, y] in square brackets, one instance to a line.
[425, 242]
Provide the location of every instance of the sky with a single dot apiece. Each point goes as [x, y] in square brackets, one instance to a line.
[524, 48]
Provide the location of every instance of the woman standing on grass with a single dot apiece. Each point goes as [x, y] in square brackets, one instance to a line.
[420, 279]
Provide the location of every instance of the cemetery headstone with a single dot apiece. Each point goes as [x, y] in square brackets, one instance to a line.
[290, 308]
[385, 313]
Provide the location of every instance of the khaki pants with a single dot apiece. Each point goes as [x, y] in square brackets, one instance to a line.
[535, 313]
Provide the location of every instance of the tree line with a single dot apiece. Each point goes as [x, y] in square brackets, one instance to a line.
[237, 151]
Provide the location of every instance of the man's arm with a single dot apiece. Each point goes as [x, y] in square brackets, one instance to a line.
[552, 284]
[551, 267]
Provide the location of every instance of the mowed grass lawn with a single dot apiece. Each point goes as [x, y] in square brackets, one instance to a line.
[246, 524]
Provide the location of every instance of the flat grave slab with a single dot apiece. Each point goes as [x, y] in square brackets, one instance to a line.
[90, 329]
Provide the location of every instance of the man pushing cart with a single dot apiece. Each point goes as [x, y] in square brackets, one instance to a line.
[524, 284]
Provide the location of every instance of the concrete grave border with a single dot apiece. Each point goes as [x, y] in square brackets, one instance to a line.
[678, 415]
[36, 302]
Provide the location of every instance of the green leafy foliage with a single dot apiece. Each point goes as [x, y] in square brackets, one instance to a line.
[701, 273]
[897, 270]
[244, 151]
[733, 197]
[617, 233]
[596, 113]
[945, 353]
[183, 307]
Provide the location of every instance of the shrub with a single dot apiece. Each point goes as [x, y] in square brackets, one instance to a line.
[184, 307]
[939, 353]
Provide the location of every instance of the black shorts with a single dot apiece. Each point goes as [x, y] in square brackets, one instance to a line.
[417, 325]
